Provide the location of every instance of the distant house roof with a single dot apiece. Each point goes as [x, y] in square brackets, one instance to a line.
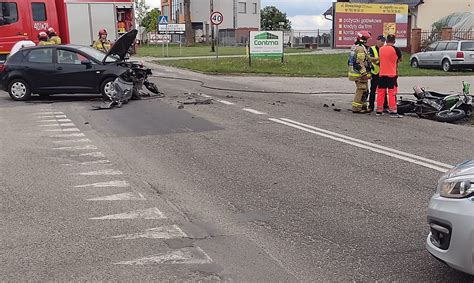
[410, 3]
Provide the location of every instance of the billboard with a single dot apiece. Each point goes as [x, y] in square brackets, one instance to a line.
[266, 43]
[378, 19]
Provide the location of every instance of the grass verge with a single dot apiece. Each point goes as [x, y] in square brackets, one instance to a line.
[324, 65]
[199, 50]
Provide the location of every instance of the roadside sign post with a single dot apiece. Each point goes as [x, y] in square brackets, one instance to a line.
[216, 19]
[266, 44]
[168, 30]
[162, 21]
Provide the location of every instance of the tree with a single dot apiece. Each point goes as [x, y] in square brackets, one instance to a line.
[274, 19]
[150, 21]
[189, 24]
[141, 9]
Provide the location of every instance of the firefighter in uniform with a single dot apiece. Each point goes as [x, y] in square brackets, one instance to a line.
[102, 44]
[53, 36]
[359, 72]
[43, 39]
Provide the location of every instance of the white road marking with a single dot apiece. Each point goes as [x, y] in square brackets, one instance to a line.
[182, 256]
[163, 232]
[92, 154]
[432, 164]
[73, 141]
[87, 147]
[124, 196]
[60, 116]
[254, 111]
[67, 125]
[47, 113]
[45, 117]
[50, 125]
[64, 130]
[64, 120]
[102, 162]
[205, 95]
[48, 121]
[68, 135]
[105, 172]
[225, 102]
[148, 214]
[117, 184]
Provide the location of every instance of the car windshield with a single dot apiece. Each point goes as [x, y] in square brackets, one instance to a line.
[98, 55]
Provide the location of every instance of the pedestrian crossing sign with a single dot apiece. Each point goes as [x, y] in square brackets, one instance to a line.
[163, 20]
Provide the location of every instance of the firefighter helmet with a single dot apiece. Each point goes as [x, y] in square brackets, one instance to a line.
[102, 31]
[43, 36]
[363, 36]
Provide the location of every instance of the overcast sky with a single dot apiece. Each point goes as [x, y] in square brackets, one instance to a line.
[304, 14]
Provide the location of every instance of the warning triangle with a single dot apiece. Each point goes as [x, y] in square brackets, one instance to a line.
[183, 256]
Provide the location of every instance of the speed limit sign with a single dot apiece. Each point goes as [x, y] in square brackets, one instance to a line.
[217, 18]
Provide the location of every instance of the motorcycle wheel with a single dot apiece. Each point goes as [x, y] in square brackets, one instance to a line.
[405, 106]
[450, 116]
[152, 87]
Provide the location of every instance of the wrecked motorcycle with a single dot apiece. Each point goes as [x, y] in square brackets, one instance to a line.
[438, 106]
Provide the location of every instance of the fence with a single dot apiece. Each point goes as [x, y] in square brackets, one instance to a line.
[421, 39]
[461, 34]
[308, 38]
[428, 37]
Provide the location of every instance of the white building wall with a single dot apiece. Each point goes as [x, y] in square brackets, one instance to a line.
[433, 10]
[251, 17]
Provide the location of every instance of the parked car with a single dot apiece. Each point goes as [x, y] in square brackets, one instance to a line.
[447, 55]
[451, 218]
[58, 69]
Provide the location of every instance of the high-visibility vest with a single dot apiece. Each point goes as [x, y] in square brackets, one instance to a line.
[43, 43]
[375, 65]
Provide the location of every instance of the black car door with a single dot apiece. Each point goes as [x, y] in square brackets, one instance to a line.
[39, 70]
[73, 75]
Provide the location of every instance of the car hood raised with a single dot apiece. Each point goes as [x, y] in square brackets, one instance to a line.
[122, 45]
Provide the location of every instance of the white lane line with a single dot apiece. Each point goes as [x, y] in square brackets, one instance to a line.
[50, 125]
[87, 147]
[225, 102]
[373, 145]
[99, 162]
[48, 121]
[253, 111]
[48, 113]
[68, 135]
[124, 196]
[205, 95]
[64, 120]
[364, 145]
[105, 172]
[60, 116]
[64, 130]
[148, 214]
[67, 125]
[163, 232]
[182, 256]
[73, 141]
[46, 117]
[92, 154]
[117, 184]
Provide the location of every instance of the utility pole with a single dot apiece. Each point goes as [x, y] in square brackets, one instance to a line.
[213, 47]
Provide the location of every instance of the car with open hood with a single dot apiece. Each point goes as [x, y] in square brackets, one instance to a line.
[65, 69]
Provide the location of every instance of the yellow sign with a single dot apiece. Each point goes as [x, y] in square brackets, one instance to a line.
[389, 28]
[364, 8]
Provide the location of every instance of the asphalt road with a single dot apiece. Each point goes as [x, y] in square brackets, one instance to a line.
[257, 186]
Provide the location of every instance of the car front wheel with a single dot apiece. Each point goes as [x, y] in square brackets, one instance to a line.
[446, 65]
[19, 90]
[107, 89]
[414, 63]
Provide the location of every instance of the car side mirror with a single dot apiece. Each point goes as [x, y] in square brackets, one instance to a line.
[87, 63]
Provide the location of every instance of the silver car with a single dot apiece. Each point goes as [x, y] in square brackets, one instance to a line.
[448, 55]
[451, 218]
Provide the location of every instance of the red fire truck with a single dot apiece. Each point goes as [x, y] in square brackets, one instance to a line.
[76, 21]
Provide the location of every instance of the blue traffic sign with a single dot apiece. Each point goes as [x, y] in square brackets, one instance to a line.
[163, 20]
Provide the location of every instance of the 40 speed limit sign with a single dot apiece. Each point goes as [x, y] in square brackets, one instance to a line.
[217, 18]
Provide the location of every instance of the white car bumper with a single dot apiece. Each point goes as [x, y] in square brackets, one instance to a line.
[452, 232]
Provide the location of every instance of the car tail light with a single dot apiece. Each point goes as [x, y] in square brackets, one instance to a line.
[460, 55]
[2, 68]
